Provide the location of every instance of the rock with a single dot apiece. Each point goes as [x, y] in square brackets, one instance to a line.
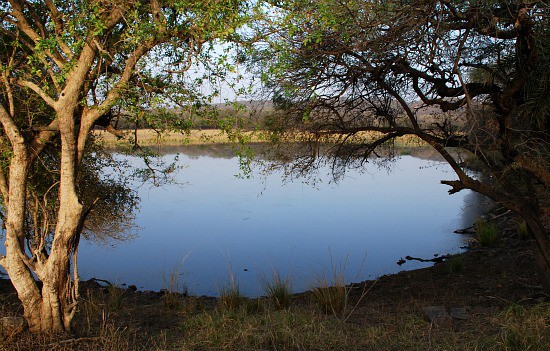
[438, 316]
[433, 312]
[444, 322]
[13, 325]
[458, 313]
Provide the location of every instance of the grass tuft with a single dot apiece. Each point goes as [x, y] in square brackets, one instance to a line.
[522, 230]
[456, 264]
[173, 291]
[486, 233]
[229, 296]
[330, 293]
[278, 290]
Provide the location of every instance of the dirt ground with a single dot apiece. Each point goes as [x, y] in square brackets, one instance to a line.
[489, 280]
[484, 282]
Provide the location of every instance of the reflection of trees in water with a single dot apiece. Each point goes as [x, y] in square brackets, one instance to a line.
[214, 150]
[475, 204]
[278, 151]
[300, 159]
[306, 158]
[108, 201]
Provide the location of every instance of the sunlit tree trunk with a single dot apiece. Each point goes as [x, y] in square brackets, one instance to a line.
[15, 264]
[48, 308]
[77, 61]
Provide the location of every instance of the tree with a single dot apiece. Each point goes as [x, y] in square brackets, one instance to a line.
[76, 61]
[468, 77]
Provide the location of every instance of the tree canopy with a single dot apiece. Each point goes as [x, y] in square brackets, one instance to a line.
[66, 67]
[465, 75]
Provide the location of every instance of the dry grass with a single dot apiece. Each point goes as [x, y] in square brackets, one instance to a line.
[142, 322]
[331, 293]
[150, 137]
[278, 290]
[506, 311]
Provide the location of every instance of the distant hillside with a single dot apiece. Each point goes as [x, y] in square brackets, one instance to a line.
[244, 115]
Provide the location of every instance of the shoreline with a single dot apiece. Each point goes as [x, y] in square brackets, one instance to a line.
[474, 250]
[494, 299]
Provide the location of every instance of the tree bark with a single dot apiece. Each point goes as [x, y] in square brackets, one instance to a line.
[541, 247]
[51, 307]
[15, 265]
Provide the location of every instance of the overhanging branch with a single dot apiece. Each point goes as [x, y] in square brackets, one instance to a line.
[456, 185]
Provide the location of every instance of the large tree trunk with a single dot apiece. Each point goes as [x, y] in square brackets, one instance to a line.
[51, 307]
[46, 309]
[15, 264]
[541, 247]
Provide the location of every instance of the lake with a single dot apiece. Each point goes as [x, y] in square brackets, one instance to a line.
[213, 225]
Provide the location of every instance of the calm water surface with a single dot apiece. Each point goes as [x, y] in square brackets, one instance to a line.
[213, 225]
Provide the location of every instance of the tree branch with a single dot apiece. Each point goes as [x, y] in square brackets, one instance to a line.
[11, 129]
[57, 19]
[25, 26]
[539, 171]
[4, 189]
[28, 84]
[22, 22]
[41, 140]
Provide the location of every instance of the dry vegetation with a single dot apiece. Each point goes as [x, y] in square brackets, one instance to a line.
[498, 287]
[151, 137]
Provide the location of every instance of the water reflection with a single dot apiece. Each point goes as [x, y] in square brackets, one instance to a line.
[213, 223]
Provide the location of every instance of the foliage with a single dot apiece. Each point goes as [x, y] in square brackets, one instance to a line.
[462, 76]
[103, 185]
[66, 68]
